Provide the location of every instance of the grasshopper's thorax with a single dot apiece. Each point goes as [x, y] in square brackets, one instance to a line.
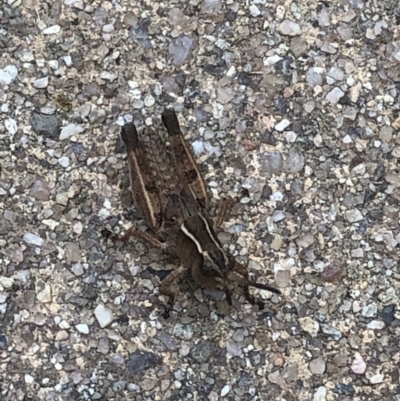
[201, 232]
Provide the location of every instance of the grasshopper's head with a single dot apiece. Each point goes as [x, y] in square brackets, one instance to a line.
[200, 231]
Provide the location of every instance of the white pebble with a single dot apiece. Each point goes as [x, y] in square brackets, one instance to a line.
[82, 328]
[41, 83]
[51, 30]
[11, 126]
[358, 366]
[8, 74]
[103, 315]
[225, 390]
[376, 379]
[149, 101]
[33, 239]
[282, 125]
[70, 130]
[64, 161]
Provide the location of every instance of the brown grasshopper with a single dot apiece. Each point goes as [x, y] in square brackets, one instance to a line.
[169, 191]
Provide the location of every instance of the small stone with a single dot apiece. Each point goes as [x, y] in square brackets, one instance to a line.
[232, 348]
[336, 73]
[8, 74]
[369, 310]
[309, 106]
[350, 113]
[331, 331]
[210, 6]
[225, 94]
[180, 49]
[298, 46]
[282, 278]
[184, 332]
[41, 83]
[358, 366]
[168, 341]
[70, 130]
[387, 314]
[47, 125]
[40, 190]
[103, 315]
[354, 216]
[376, 379]
[345, 32]
[305, 241]
[77, 269]
[29, 379]
[386, 133]
[149, 101]
[289, 28]
[295, 161]
[334, 95]
[82, 328]
[64, 161]
[51, 30]
[317, 366]
[324, 17]
[43, 291]
[314, 76]
[282, 125]
[331, 273]
[271, 162]
[33, 239]
[141, 361]
[393, 179]
[225, 390]
[376, 325]
[254, 11]
[320, 394]
[11, 126]
[309, 325]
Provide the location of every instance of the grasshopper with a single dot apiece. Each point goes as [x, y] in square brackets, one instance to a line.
[170, 193]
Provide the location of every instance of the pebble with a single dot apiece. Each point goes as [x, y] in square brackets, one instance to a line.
[77, 269]
[370, 310]
[11, 126]
[82, 328]
[354, 215]
[47, 125]
[282, 125]
[225, 390]
[334, 95]
[331, 331]
[141, 361]
[376, 379]
[309, 325]
[232, 348]
[289, 28]
[70, 130]
[149, 101]
[51, 30]
[41, 83]
[103, 315]
[64, 161]
[33, 239]
[225, 94]
[184, 332]
[8, 74]
[358, 365]
[376, 325]
[180, 49]
[317, 366]
[320, 394]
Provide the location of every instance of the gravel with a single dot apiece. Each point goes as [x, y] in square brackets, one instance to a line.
[298, 102]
